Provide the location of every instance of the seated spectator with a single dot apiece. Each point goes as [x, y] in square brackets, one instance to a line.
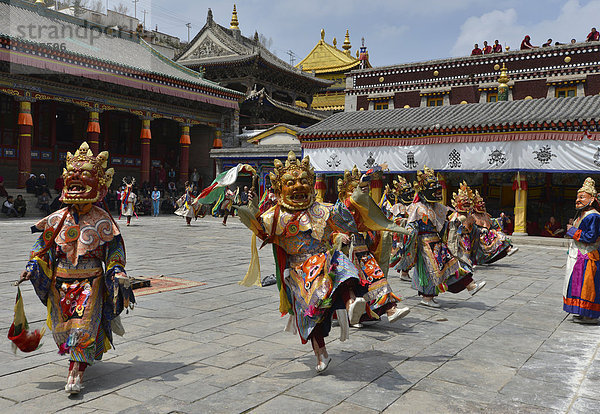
[41, 185]
[487, 49]
[8, 207]
[593, 36]
[44, 202]
[20, 206]
[526, 44]
[553, 228]
[497, 47]
[30, 184]
[548, 43]
[476, 51]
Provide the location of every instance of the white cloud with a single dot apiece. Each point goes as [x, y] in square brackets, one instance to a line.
[572, 21]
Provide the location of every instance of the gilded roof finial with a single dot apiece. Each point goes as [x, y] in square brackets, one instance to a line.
[40, 3]
[322, 35]
[335, 42]
[347, 46]
[503, 78]
[235, 24]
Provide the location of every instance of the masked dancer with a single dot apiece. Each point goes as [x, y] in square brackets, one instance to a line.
[370, 251]
[77, 266]
[436, 269]
[313, 278]
[128, 200]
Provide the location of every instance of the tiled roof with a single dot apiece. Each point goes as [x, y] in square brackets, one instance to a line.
[467, 116]
[244, 48]
[79, 39]
[308, 113]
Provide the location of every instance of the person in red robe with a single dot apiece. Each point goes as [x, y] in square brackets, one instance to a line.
[526, 43]
[476, 50]
[548, 43]
[487, 49]
[593, 36]
[497, 48]
[553, 229]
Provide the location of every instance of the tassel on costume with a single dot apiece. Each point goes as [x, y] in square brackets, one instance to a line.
[19, 330]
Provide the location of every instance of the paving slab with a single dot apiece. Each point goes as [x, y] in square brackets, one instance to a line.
[220, 347]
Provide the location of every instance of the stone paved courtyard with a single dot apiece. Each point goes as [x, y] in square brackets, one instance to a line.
[221, 347]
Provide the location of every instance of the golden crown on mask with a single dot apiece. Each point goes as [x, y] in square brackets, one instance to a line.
[401, 185]
[292, 163]
[348, 183]
[423, 178]
[84, 159]
[464, 194]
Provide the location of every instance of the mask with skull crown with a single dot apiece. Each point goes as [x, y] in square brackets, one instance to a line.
[428, 186]
[86, 179]
[293, 183]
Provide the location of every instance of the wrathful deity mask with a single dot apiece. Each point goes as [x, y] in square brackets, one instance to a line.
[478, 203]
[293, 183]
[428, 186]
[348, 184]
[86, 179]
[404, 190]
[463, 200]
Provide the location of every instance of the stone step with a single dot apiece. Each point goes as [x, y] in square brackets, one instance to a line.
[30, 199]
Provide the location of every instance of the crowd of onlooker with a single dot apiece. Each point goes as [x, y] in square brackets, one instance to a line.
[593, 36]
[36, 185]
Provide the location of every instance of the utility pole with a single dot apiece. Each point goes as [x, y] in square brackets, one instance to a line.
[292, 56]
[144, 18]
[135, 2]
[189, 26]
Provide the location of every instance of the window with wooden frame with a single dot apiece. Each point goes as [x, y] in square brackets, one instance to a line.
[381, 105]
[492, 97]
[565, 91]
[435, 101]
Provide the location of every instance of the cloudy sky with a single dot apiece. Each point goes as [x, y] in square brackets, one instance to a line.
[395, 31]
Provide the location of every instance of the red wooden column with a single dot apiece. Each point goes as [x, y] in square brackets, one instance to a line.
[25, 125]
[184, 155]
[145, 137]
[93, 131]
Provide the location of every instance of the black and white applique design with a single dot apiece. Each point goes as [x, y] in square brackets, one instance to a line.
[454, 159]
[333, 161]
[597, 157]
[496, 158]
[544, 155]
[370, 161]
[410, 160]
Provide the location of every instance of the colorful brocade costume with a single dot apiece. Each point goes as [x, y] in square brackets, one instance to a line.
[370, 247]
[581, 293]
[76, 281]
[309, 272]
[490, 242]
[426, 250]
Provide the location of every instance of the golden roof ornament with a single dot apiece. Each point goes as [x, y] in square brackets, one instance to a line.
[589, 186]
[235, 24]
[347, 46]
[322, 35]
[503, 78]
[335, 42]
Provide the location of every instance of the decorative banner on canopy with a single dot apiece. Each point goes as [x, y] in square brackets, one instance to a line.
[544, 155]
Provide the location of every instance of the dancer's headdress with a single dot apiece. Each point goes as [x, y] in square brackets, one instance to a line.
[90, 187]
[462, 201]
[404, 190]
[589, 186]
[292, 163]
[348, 183]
